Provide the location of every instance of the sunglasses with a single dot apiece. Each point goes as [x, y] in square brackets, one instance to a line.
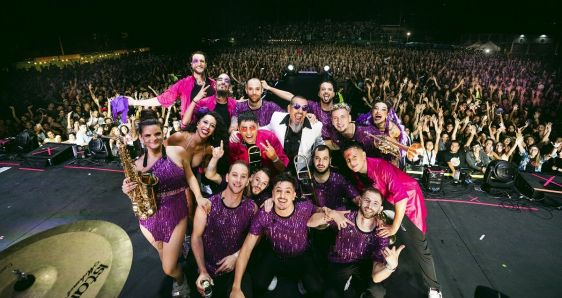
[245, 129]
[297, 106]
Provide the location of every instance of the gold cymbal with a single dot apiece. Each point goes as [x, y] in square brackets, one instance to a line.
[90, 258]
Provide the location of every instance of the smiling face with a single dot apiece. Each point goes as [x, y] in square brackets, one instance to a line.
[283, 195]
[379, 113]
[254, 90]
[206, 126]
[259, 182]
[298, 109]
[198, 63]
[341, 119]
[249, 131]
[237, 178]
[356, 160]
[223, 84]
[371, 204]
[326, 92]
[151, 136]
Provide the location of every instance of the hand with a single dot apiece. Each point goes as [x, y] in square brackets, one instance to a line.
[234, 137]
[202, 93]
[267, 205]
[312, 118]
[200, 279]
[264, 85]
[269, 150]
[205, 204]
[386, 231]
[227, 263]
[128, 186]
[12, 108]
[236, 293]
[391, 255]
[218, 152]
[339, 218]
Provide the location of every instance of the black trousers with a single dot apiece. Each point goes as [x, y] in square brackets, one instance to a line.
[299, 268]
[358, 275]
[416, 243]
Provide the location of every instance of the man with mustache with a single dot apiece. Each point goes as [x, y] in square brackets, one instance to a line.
[218, 236]
[405, 194]
[359, 259]
[321, 110]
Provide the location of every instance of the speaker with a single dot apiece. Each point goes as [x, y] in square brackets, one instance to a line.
[536, 185]
[26, 141]
[432, 178]
[499, 174]
[49, 154]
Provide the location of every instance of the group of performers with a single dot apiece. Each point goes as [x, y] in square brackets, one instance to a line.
[256, 226]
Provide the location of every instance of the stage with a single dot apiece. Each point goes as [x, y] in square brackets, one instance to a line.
[508, 244]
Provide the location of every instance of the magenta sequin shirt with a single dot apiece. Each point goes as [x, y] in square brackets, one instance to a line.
[226, 230]
[288, 235]
[353, 245]
[335, 191]
[172, 207]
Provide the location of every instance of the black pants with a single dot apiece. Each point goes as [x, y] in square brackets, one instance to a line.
[300, 268]
[417, 244]
[361, 282]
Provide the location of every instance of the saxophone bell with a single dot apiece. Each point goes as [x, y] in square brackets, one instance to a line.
[304, 177]
[254, 158]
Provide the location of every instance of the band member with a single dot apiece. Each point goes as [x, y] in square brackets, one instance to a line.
[259, 189]
[331, 187]
[359, 259]
[286, 231]
[164, 230]
[268, 150]
[218, 236]
[221, 103]
[322, 110]
[263, 109]
[405, 194]
[186, 88]
[294, 130]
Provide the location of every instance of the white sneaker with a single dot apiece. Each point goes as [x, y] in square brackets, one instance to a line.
[272, 284]
[301, 288]
[181, 290]
[434, 293]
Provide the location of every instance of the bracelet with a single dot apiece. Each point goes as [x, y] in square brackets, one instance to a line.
[276, 160]
[388, 268]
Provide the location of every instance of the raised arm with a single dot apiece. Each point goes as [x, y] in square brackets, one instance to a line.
[211, 171]
[285, 95]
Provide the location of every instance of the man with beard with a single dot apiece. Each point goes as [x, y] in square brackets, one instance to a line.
[331, 188]
[322, 111]
[221, 103]
[259, 190]
[405, 194]
[186, 88]
[359, 259]
[286, 231]
[294, 130]
[261, 108]
[218, 236]
[268, 148]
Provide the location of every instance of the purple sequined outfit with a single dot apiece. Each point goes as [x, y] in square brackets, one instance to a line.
[335, 191]
[172, 208]
[263, 113]
[226, 230]
[288, 235]
[353, 245]
[322, 116]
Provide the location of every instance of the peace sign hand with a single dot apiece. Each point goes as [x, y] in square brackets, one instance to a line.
[269, 150]
[202, 93]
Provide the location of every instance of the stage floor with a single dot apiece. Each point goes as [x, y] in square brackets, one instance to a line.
[477, 240]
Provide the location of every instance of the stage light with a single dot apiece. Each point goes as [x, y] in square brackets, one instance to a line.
[499, 174]
[487, 51]
[543, 36]
[326, 68]
[522, 36]
[408, 33]
[290, 67]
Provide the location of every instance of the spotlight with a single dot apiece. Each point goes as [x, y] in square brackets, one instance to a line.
[487, 51]
[499, 174]
[290, 67]
[543, 36]
[522, 36]
[326, 68]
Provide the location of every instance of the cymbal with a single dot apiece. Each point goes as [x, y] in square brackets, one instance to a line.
[90, 258]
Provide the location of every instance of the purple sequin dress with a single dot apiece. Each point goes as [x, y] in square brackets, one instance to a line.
[353, 245]
[288, 235]
[263, 113]
[226, 230]
[172, 207]
[335, 191]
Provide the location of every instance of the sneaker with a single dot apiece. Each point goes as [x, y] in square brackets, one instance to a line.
[272, 284]
[434, 293]
[301, 288]
[181, 290]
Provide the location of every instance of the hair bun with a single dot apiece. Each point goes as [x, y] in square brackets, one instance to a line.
[148, 115]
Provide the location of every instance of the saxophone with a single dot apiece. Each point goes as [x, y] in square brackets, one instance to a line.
[143, 197]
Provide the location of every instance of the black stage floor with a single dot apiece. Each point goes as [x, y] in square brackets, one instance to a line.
[477, 240]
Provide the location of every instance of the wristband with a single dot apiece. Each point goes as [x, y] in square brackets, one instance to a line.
[276, 159]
